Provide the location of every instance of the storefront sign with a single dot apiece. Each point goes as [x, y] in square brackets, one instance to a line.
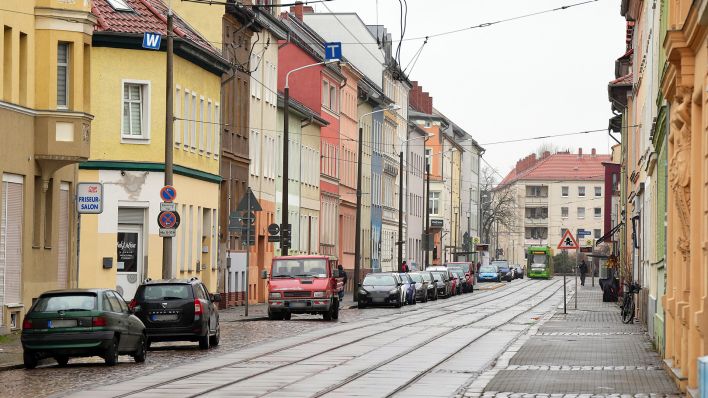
[127, 252]
[89, 198]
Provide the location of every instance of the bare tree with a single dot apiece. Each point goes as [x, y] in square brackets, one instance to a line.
[498, 205]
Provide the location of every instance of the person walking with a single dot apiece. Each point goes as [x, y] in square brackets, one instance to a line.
[343, 276]
[404, 266]
[583, 272]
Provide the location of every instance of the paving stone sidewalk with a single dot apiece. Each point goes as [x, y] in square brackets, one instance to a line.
[585, 353]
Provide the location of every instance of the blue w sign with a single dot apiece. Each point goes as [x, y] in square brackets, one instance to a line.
[152, 41]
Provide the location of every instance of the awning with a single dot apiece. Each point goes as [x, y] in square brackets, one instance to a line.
[608, 235]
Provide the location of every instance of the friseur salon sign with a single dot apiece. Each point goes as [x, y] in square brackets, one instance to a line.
[89, 198]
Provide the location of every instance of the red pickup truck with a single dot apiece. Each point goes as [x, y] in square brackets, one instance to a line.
[303, 285]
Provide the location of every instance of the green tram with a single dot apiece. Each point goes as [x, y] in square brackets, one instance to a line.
[539, 262]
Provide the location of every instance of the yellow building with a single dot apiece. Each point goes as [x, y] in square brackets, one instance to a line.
[46, 128]
[684, 87]
[121, 247]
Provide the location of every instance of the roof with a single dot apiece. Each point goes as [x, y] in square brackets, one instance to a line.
[559, 166]
[624, 80]
[146, 16]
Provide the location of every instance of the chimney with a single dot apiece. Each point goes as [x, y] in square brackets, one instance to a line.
[308, 10]
[545, 154]
[594, 152]
[297, 9]
[580, 152]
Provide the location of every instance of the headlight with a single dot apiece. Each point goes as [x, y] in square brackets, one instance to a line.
[275, 295]
[363, 292]
[318, 294]
[393, 291]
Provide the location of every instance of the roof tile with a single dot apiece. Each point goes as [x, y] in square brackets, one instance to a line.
[563, 167]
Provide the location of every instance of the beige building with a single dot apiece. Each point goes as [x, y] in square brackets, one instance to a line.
[552, 194]
[45, 114]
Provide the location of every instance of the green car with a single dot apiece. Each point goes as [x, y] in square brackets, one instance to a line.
[81, 323]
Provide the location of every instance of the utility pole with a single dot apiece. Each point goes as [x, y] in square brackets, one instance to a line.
[286, 156]
[427, 214]
[169, 124]
[357, 231]
[400, 211]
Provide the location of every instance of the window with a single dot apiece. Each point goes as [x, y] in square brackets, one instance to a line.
[193, 122]
[119, 5]
[186, 105]
[325, 93]
[428, 156]
[598, 192]
[63, 75]
[427, 123]
[201, 134]
[209, 125]
[564, 192]
[581, 191]
[581, 212]
[333, 98]
[598, 212]
[178, 113]
[563, 231]
[596, 233]
[135, 110]
[217, 129]
[434, 199]
[564, 212]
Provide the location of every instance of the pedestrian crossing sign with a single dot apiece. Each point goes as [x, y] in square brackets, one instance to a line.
[568, 241]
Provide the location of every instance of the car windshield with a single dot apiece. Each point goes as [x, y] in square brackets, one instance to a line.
[167, 292]
[501, 264]
[438, 275]
[427, 277]
[405, 277]
[66, 302]
[417, 277]
[488, 268]
[379, 280]
[313, 268]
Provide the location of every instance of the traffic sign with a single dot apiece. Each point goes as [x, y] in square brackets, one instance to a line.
[168, 193]
[582, 232]
[151, 41]
[274, 238]
[249, 202]
[248, 218]
[89, 198]
[273, 229]
[333, 51]
[167, 232]
[168, 219]
[168, 206]
[568, 241]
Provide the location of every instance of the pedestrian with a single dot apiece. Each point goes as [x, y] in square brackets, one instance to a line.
[404, 266]
[583, 271]
[342, 275]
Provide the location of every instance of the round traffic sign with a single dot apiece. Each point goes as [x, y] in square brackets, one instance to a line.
[273, 229]
[168, 219]
[168, 193]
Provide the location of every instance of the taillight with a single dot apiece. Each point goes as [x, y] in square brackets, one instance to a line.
[132, 304]
[198, 307]
[26, 324]
[98, 321]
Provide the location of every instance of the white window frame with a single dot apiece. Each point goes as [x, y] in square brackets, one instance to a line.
[584, 192]
[177, 128]
[566, 211]
[186, 124]
[578, 212]
[596, 192]
[567, 191]
[193, 124]
[66, 65]
[325, 93]
[434, 197]
[146, 112]
[209, 126]
[595, 212]
[217, 130]
[201, 131]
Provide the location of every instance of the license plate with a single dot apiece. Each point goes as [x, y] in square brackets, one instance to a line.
[297, 304]
[163, 317]
[378, 300]
[61, 323]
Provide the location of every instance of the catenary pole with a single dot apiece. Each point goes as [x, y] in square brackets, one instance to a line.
[169, 124]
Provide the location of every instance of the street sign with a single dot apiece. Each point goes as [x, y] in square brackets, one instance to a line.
[273, 229]
[168, 219]
[89, 198]
[333, 50]
[582, 232]
[249, 202]
[274, 238]
[586, 249]
[167, 232]
[151, 41]
[568, 241]
[168, 193]
[436, 222]
[248, 218]
[168, 206]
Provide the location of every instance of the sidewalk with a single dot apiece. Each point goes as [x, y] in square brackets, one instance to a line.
[588, 351]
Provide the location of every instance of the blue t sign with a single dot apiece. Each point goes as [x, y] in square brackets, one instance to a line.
[333, 51]
[152, 41]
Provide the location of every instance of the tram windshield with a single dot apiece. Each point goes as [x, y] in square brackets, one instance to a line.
[539, 259]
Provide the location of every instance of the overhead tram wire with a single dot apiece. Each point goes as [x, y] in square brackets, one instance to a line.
[212, 2]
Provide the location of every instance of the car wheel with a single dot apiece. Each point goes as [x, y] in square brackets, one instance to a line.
[148, 343]
[335, 312]
[398, 303]
[30, 360]
[275, 316]
[141, 352]
[214, 340]
[111, 355]
[287, 315]
[204, 341]
[62, 361]
[360, 305]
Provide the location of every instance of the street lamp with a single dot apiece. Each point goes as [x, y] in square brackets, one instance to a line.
[284, 245]
[357, 233]
[400, 199]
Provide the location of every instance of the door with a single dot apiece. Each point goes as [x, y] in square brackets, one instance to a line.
[129, 260]
[11, 212]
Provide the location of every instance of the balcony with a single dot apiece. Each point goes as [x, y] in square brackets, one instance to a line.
[536, 221]
[61, 138]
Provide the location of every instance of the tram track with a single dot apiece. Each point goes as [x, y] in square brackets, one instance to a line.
[441, 306]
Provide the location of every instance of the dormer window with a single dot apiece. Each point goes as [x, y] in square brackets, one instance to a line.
[120, 5]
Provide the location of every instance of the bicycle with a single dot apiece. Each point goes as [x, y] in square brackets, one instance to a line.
[628, 305]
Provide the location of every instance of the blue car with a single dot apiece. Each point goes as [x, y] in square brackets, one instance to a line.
[408, 287]
[489, 273]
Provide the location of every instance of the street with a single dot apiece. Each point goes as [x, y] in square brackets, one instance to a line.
[430, 349]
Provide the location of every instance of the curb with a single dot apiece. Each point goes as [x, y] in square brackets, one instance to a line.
[12, 366]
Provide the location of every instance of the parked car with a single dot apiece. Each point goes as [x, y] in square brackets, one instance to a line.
[409, 288]
[430, 279]
[178, 310]
[63, 324]
[454, 283]
[422, 286]
[442, 283]
[518, 272]
[507, 273]
[489, 273]
[380, 288]
[464, 284]
[469, 271]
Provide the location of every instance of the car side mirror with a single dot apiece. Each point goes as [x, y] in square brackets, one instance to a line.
[359, 285]
[400, 284]
[216, 297]
[436, 281]
[264, 274]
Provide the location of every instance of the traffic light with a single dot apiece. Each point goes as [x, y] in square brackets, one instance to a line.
[285, 238]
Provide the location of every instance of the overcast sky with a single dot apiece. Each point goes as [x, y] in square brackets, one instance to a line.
[538, 76]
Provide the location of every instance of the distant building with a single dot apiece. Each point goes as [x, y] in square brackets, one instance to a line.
[552, 194]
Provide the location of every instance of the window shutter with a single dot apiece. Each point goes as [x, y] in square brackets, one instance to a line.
[131, 215]
[63, 244]
[11, 243]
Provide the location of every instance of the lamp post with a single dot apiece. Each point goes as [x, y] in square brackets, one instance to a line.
[286, 155]
[357, 232]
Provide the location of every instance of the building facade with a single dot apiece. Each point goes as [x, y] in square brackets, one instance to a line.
[45, 108]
